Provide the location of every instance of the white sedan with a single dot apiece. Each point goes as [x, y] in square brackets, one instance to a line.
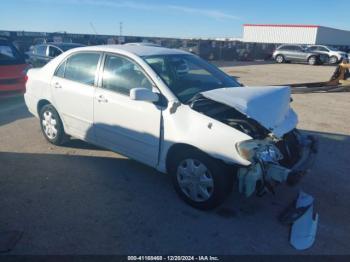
[173, 111]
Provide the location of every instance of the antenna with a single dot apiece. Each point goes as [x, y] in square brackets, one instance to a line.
[93, 28]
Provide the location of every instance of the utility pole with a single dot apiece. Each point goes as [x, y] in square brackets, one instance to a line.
[93, 28]
[120, 38]
[120, 28]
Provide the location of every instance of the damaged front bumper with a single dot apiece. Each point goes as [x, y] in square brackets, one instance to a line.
[262, 175]
[309, 149]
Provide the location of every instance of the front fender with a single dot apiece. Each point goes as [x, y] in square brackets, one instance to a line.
[186, 126]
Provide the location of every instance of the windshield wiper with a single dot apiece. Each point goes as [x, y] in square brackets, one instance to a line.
[194, 99]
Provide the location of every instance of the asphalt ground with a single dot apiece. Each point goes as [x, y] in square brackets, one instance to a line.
[80, 199]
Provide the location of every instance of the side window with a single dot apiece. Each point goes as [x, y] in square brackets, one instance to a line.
[297, 48]
[282, 48]
[81, 68]
[321, 48]
[40, 50]
[60, 70]
[53, 51]
[121, 75]
[286, 48]
[313, 48]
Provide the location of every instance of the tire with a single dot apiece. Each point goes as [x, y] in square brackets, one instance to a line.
[207, 185]
[312, 60]
[333, 60]
[51, 125]
[280, 59]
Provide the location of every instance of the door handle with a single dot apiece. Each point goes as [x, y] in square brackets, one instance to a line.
[57, 85]
[102, 99]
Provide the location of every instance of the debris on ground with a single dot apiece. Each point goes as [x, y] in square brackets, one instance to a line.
[304, 223]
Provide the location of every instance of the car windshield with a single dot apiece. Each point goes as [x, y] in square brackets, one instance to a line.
[188, 75]
[332, 48]
[9, 55]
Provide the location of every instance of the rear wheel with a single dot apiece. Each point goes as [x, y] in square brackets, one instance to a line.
[201, 181]
[312, 60]
[280, 59]
[51, 125]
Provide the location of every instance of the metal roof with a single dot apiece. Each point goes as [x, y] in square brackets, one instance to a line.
[283, 25]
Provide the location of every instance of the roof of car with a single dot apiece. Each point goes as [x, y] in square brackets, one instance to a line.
[4, 40]
[64, 44]
[139, 50]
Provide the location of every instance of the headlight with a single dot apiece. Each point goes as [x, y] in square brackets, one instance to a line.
[254, 150]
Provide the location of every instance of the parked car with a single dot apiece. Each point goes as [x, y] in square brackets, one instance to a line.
[298, 53]
[173, 111]
[39, 55]
[333, 54]
[12, 69]
[143, 44]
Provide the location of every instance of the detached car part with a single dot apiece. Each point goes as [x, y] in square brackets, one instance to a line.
[304, 229]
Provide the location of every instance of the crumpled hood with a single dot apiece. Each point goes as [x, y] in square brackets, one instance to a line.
[268, 105]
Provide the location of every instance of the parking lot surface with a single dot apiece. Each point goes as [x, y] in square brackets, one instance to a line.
[79, 199]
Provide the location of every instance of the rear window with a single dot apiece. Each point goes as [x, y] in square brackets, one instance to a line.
[9, 55]
[80, 67]
[40, 50]
[283, 48]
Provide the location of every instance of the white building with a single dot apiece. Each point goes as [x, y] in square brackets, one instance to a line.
[295, 34]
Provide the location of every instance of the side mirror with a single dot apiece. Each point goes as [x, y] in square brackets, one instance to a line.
[143, 94]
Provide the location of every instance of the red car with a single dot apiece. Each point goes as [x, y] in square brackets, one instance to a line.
[13, 69]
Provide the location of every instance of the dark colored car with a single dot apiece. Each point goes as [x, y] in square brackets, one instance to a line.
[39, 55]
[298, 53]
[13, 69]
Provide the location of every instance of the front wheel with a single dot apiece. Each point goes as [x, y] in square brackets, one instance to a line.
[312, 60]
[51, 125]
[201, 181]
[333, 60]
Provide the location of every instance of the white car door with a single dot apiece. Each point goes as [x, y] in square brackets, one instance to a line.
[73, 88]
[129, 127]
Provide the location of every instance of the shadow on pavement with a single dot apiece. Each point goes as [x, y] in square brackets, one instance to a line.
[9, 109]
[69, 204]
[80, 144]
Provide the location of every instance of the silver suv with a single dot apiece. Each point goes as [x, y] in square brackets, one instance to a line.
[334, 55]
[297, 53]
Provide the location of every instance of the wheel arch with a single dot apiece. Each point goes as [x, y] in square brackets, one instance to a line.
[313, 55]
[44, 102]
[178, 147]
[41, 104]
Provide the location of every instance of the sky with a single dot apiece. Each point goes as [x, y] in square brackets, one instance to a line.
[181, 18]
